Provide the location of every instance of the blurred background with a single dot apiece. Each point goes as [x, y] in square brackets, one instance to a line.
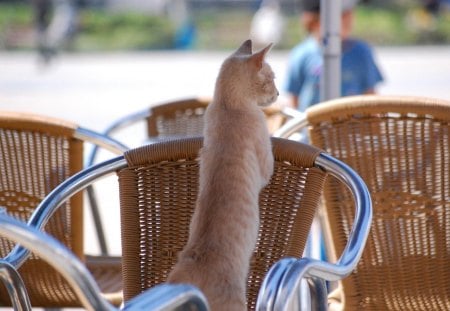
[111, 25]
[94, 61]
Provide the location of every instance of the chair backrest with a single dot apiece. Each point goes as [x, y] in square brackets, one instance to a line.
[36, 154]
[177, 118]
[158, 192]
[185, 118]
[400, 146]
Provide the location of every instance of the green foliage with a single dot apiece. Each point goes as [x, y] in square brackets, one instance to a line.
[16, 14]
[293, 33]
[16, 26]
[381, 27]
[100, 29]
[97, 30]
[221, 30]
[401, 27]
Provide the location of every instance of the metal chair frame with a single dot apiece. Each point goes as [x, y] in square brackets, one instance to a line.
[99, 140]
[164, 297]
[282, 282]
[282, 285]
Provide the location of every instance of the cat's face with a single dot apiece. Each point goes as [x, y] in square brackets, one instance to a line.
[249, 75]
[267, 91]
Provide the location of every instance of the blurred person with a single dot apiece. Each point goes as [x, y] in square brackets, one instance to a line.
[359, 71]
[431, 6]
[267, 23]
[56, 22]
[180, 14]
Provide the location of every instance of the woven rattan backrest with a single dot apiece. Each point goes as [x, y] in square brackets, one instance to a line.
[158, 193]
[184, 118]
[36, 154]
[179, 118]
[400, 146]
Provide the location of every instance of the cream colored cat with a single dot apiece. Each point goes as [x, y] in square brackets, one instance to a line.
[236, 162]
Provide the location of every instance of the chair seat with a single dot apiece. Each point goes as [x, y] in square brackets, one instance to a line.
[107, 271]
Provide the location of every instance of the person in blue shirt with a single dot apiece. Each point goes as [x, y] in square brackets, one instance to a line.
[359, 71]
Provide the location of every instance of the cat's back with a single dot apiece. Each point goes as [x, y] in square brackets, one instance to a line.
[236, 161]
[224, 125]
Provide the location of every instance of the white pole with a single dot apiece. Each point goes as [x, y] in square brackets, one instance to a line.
[330, 19]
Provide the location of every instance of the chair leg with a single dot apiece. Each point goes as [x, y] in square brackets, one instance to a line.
[15, 287]
[97, 220]
[318, 290]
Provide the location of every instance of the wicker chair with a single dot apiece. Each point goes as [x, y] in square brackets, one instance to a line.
[36, 154]
[158, 189]
[181, 118]
[168, 120]
[400, 146]
[69, 267]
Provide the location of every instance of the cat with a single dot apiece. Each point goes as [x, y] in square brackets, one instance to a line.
[236, 162]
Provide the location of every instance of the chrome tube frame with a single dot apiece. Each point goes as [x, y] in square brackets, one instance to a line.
[59, 195]
[290, 272]
[108, 143]
[292, 126]
[105, 141]
[291, 112]
[100, 140]
[363, 214]
[59, 257]
[169, 297]
[15, 286]
[161, 297]
[269, 287]
[121, 123]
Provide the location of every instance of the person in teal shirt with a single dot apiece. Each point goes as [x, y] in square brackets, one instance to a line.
[359, 71]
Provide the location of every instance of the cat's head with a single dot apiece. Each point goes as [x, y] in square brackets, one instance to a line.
[247, 74]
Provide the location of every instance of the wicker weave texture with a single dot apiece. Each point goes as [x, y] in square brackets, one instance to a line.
[184, 118]
[158, 193]
[401, 148]
[178, 118]
[37, 154]
[32, 163]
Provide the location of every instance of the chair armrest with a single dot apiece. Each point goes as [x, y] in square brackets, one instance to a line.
[59, 195]
[292, 126]
[169, 297]
[291, 112]
[161, 297]
[281, 286]
[59, 257]
[100, 140]
[120, 123]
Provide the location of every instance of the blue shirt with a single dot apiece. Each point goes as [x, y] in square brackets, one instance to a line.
[359, 72]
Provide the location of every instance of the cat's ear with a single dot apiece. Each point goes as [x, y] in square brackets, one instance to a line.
[257, 59]
[245, 48]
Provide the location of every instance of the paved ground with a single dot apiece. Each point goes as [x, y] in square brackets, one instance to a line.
[95, 89]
